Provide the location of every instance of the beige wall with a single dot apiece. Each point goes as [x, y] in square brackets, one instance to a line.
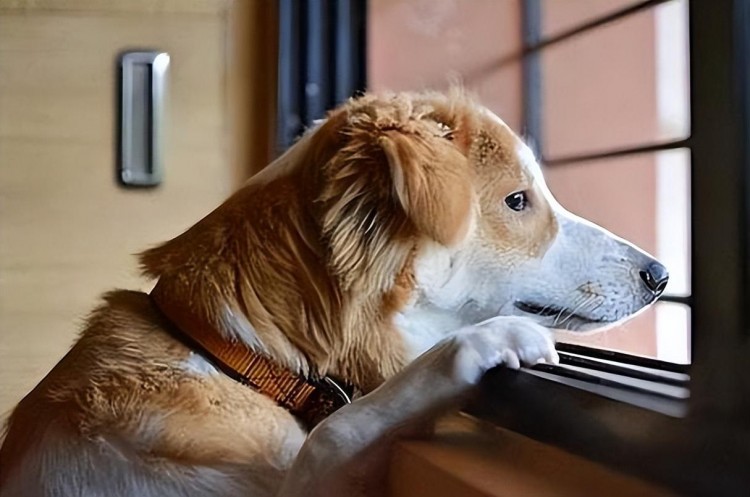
[69, 231]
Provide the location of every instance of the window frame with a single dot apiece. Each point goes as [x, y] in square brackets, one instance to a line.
[322, 61]
[705, 452]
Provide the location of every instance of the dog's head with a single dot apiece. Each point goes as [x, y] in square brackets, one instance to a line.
[396, 220]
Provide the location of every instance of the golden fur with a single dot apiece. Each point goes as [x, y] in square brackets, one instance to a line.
[125, 370]
[315, 261]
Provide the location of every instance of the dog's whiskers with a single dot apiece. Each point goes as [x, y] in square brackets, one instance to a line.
[557, 321]
[586, 301]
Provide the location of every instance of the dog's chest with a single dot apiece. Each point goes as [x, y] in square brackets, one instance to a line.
[423, 327]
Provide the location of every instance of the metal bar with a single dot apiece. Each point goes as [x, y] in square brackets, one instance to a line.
[605, 382]
[531, 14]
[677, 299]
[622, 152]
[514, 57]
[606, 367]
[317, 67]
[322, 60]
[344, 49]
[611, 355]
[658, 400]
[359, 23]
[348, 49]
[599, 21]
[289, 106]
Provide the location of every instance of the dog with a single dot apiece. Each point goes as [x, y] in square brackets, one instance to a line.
[351, 291]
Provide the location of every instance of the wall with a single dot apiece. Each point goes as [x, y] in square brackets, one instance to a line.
[69, 231]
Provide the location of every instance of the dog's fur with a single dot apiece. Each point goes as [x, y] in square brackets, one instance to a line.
[383, 233]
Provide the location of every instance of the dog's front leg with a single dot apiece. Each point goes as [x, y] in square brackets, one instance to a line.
[346, 455]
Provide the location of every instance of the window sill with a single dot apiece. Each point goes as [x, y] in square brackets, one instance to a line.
[693, 453]
[468, 457]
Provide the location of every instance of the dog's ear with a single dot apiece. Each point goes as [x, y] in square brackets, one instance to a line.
[432, 182]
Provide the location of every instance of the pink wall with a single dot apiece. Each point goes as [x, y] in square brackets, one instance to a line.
[562, 15]
[418, 44]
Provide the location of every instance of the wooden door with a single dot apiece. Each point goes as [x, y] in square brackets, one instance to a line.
[68, 232]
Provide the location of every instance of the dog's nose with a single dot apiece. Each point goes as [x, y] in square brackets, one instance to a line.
[655, 276]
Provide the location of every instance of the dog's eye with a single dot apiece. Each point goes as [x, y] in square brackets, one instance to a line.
[517, 201]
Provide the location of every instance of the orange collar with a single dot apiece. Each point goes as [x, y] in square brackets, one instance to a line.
[309, 399]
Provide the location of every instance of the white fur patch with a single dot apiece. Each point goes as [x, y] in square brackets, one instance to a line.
[199, 365]
[238, 326]
[423, 328]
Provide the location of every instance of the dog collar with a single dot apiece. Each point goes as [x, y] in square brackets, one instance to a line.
[309, 399]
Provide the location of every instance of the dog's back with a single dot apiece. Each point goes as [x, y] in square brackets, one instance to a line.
[132, 408]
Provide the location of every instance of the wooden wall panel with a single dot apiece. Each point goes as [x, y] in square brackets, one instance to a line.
[67, 230]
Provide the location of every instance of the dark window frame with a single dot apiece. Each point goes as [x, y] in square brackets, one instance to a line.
[704, 450]
[322, 61]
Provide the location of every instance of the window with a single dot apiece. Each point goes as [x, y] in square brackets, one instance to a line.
[582, 90]
[640, 111]
[627, 117]
[321, 61]
[605, 91]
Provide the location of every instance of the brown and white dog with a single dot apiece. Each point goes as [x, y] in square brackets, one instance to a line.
[404, 246]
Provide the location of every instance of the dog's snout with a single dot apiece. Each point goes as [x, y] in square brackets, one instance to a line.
[655, 276]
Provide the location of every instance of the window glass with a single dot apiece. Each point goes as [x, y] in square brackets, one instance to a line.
[661, 332]
[643, 198]
[563, 15]
[418, 44]
[619, 85]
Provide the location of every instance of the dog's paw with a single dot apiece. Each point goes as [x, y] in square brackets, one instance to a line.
[507, 341]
